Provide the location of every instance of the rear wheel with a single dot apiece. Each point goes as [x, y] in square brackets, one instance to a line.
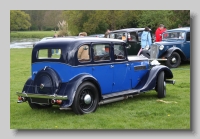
[86, 99]
[161, 85]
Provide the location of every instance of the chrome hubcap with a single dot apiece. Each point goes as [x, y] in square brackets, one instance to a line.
[87, 99]
[173, 60]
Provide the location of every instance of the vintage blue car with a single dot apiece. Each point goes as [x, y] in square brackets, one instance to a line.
[88, 72]
[174, 47]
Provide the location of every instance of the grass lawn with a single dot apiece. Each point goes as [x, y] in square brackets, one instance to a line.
[31, 34]
[145, 111]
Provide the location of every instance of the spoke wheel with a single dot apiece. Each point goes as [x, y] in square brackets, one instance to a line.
[86, 99]
[174, 60]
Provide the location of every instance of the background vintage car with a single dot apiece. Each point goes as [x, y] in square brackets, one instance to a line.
[132, 38]
[174, 47]
[88, 72]
[97, 35]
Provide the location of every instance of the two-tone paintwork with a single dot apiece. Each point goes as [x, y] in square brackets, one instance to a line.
[112, 78]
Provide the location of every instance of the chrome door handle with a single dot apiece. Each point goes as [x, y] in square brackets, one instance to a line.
[111, 66]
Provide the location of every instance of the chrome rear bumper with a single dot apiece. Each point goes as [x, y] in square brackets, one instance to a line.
[31, 95]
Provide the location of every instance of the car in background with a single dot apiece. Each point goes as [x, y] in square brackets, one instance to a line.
[131, 36]
[174, 47]
[45, 38]
[97, 35]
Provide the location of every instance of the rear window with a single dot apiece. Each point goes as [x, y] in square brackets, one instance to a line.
[118, 35]
[49, 54]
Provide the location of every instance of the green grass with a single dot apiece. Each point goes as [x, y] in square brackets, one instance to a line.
[140, 112]
[31, 34]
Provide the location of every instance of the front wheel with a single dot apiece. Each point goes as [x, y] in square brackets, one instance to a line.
[86, 99]
[174, 60]
[161, 85]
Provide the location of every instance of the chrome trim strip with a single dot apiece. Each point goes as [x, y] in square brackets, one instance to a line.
[159, 59]
[23, 94]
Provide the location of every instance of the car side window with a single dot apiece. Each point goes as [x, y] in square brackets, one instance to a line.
[119, 52]
[49, 54]
[101, 52]
[133, 36]
[83, 53]
[188, 36]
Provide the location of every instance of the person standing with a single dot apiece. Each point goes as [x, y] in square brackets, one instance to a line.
[83, 53]
[158, 33]
[106, 34]
[146, 39]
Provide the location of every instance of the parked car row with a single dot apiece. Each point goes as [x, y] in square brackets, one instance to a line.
[174, 47]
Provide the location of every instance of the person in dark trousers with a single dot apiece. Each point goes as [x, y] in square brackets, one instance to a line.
[51, 51]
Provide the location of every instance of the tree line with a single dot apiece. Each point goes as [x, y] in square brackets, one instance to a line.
[95, 21]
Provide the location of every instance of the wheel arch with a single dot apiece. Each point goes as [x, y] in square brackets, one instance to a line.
[28, 85]
[73, 85]
[168, 53]
[153, 75]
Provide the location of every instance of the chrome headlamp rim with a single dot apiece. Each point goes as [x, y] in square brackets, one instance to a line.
[161, 47]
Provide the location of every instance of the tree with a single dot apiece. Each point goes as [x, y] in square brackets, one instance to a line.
[19, 20]
[63, 28]
[153, 18]
[98, 21]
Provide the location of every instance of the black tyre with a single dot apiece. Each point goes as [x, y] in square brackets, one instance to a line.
[161, 85]
[86, 99]
[38, 106]
[174, 60]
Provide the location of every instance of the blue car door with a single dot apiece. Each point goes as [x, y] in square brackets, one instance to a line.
[102, 67]
[122, 71]
[186, 46]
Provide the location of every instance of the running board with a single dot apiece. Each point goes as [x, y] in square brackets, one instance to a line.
[122, 93]
[110, 100]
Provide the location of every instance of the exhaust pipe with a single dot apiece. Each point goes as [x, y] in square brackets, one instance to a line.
[170, 81]
[53, 101]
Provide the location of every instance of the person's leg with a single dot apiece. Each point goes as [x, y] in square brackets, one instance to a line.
[139, 52]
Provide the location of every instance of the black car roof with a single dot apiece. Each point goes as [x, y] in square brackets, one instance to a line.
[74, 39]
[128, 30]
[68, 45]
[180, 29]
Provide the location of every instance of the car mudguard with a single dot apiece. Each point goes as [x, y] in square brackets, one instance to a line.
[145, 53]
[72, 86]
[28, 86]
[168, 53]
[148, 82]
